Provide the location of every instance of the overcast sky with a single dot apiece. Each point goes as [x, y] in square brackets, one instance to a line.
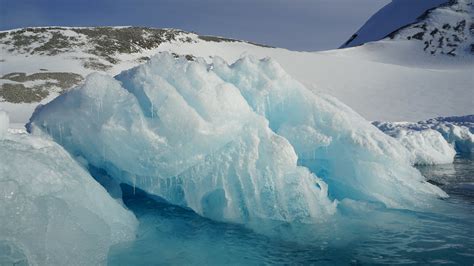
[294, 24]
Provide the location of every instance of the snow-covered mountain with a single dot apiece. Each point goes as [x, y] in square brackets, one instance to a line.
[390, 18]
[436, 26]
[392, 79]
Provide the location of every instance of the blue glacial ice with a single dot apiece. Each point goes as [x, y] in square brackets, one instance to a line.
[52, 212]
[241, 143]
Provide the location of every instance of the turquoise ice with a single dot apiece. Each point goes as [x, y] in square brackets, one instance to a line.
[241, 143]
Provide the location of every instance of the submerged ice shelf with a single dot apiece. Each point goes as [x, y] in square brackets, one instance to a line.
[242, 142]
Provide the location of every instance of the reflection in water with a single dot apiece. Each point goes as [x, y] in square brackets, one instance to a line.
[456, 179]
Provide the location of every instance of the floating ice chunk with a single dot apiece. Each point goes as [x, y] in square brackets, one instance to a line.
[460, 136]
[175, 129]
[458, 131]
[427, 147]
[52, 212]
[221, 140]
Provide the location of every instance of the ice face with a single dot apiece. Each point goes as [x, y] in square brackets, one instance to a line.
[52, 212]
[330, 139]
[182, 133]
[225, 141]
[460, 136]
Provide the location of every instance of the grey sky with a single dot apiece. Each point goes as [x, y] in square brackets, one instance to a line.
[294, 24]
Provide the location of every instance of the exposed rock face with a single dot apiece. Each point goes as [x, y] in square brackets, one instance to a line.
[393, 16]
[92, 49]
[442, 29]
[448, 29]
[104, 42]
[19, 87]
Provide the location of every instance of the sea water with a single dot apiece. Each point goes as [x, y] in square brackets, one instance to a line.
[359, 234]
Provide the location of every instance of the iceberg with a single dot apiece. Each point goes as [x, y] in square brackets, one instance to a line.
[52, 212]
[331, 139]
[241, 143]
[460, 136]
[457, 131]
[427, 147]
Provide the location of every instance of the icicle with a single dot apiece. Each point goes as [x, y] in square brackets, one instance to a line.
[60, 129]
[152, 110]
[99, 108]
[134, 184]
[103, 153]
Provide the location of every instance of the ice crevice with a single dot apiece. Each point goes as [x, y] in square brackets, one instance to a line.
[241, 142]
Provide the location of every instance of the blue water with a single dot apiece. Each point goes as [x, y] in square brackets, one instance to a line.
[361, 233]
